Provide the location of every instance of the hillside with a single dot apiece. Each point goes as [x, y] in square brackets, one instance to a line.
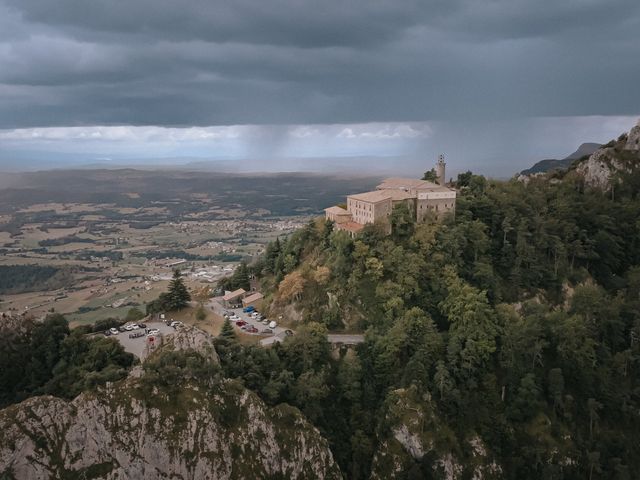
[175, 417]
[544, 166]
[614, 164]
[499, 343]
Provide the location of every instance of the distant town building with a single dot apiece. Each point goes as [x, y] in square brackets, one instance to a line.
[427, 201]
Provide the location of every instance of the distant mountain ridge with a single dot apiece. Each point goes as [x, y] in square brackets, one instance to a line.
[544, 166]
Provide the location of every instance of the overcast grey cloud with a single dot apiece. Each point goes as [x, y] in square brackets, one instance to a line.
[294, 63]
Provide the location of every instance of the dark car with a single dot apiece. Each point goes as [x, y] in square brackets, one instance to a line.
[241, 323]
[267, 331]
[121, 328]
[288, 333]
[142, 325]
[107, 333]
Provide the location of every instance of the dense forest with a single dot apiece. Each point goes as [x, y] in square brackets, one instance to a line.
[516, 322]
[38, 358]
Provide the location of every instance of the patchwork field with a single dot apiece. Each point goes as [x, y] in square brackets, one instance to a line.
[114, 238]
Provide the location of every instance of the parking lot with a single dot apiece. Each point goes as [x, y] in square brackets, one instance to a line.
[246, 317]
[138, 346]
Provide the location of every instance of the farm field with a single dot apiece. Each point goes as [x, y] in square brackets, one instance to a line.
[95, 253]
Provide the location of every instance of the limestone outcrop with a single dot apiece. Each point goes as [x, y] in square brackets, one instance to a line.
[418, 438]
[143, 429]
[606, 166]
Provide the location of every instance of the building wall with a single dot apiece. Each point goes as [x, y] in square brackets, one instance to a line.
[434, 207]
[257, 304]
[339, 217]
[368, 212]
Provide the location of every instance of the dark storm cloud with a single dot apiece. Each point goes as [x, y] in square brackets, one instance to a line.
[197, 62]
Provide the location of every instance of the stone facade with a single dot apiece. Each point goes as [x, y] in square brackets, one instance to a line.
[427, 201]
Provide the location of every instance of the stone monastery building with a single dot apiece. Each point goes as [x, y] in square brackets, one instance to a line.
[427, 200]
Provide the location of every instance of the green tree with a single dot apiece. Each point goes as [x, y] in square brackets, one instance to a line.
[227, 330]
[430, 175]
[134, 314]
[178, 296]
[473, 329]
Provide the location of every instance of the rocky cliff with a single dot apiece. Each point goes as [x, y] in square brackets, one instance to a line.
[600, 166]
[418, 440]
[139, 429]
[607, 164]
[544, 166]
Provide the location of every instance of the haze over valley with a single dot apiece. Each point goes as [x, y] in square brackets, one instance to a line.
[338, 240]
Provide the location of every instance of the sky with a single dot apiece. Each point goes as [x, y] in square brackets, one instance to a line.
[495, 85]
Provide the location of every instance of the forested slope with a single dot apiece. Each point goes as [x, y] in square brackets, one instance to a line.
[502, 343]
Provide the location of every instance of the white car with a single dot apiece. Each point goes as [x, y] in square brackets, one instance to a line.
[134, 326]
[234, 318]
[114, 331]
[273, 325]
[175, 323]
[265, 321]
[128, 328]
[255, 314]
[152, 332]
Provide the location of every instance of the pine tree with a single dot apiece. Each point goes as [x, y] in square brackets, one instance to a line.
[240, 278]
[178, 295]
[227, 331]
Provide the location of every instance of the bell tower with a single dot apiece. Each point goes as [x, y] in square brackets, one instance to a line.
[440, 169]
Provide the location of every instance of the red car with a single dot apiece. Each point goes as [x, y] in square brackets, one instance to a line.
[241, 323]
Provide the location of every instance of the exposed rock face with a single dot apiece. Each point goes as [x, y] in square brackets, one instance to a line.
[135, 429]
[416, 431]
[545, 166]
[633, 139]
[599, 168]
[623, 156]
[189, 337]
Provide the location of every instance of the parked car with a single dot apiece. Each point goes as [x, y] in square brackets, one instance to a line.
[227, 313]
[241, 323]
[135, 326]
[113, 330]
[252, 329]
[248, 309]
[128, 328]
[136, 335]
[273, 325]
[255, 315]
[288, 333]
[234, 318]
[142, 325]
[265, 321]
[153, 331]
[175, 324]
[107, 333]
[121, 329]
[267, 331]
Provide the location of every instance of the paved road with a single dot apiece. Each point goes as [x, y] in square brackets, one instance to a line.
[345, 338]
